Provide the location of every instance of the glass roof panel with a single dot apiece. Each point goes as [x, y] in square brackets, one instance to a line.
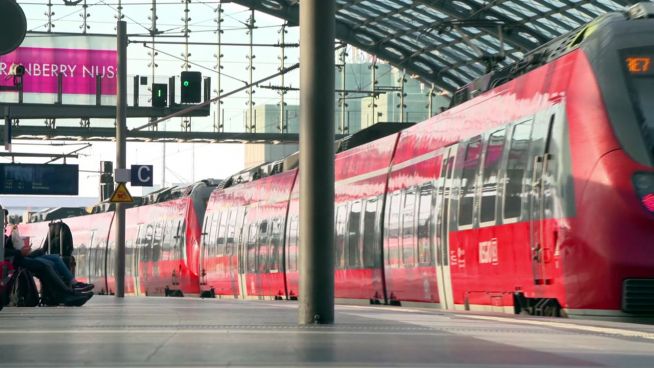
[421, 16]
[439, 38]
[516, 6]
[374, 5]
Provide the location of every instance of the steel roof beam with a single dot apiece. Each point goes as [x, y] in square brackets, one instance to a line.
[446, 7]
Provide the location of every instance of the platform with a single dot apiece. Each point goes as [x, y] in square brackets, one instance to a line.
[169, 332]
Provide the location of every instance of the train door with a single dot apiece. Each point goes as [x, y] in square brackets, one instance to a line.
[246, 256]
[233, 253]
[442, 228]
[542, 245]
[136, 259]
[205, 242]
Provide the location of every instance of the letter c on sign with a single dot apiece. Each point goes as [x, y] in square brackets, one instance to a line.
[144, 174]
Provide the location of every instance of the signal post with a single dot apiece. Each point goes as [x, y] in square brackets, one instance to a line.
[121, 147]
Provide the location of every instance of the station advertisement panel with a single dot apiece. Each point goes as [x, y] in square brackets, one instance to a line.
[77, 58]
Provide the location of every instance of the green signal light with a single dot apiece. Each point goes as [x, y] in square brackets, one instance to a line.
[159, 93]
[186, 83]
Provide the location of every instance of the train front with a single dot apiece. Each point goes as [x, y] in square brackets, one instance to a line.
[610, 265]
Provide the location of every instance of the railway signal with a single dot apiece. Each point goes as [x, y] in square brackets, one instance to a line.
[159, 95]
[191, 87]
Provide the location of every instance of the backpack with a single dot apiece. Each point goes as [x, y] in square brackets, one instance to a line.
[60, 238]
[21, 290]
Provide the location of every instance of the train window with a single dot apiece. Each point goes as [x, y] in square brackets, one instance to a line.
[180, 239]
[264, 247]
[170, 231]
[111, 261]
[80, 258]
[156, 242]
[164, 252]
[515, 169]
[492, 161]
[231, 231]
[275, 245]
[469, 180]
[240, 219]
[252, 248]
[293, 235]
[213, 235]
[91, 260]
[394, 229]
[425, 210]
[408, 228]
[341, 214]
[206, 234]
[353, 236]
[222, 226]
[149, 235]
[169, 243]
[370, 232]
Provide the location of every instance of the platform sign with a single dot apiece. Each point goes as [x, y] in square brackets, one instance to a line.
[77, 58]
[121, 195]
[141, 175]
[39, 179]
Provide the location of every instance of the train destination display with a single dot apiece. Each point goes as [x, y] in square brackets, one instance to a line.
[38, 179]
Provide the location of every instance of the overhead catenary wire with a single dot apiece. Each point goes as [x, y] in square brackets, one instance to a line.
[191, 63]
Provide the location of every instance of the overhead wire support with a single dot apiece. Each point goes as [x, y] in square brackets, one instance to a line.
[49, 14]
[70, 154]
[85, 15]
[194, 64]
[206, 103]
[219, 122]
[251, 124]
[283, 123]
[344, 127]
[119, 10]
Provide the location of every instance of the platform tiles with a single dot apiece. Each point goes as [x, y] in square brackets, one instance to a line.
[170, 332]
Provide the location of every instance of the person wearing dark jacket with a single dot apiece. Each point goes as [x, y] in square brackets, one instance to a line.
[44, 271]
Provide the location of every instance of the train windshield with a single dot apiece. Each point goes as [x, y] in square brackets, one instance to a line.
[639, 65]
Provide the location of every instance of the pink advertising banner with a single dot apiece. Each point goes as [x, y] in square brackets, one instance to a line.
[77, 66]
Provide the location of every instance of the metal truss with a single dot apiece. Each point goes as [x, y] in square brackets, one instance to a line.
[449, 43]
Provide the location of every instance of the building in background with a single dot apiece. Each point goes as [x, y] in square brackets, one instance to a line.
[366, 94]
[267, 120]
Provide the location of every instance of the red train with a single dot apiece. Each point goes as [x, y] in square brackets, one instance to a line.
[533, 193]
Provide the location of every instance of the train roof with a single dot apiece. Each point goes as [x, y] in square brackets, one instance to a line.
[56, 213]
[159, 196]
[550, 51]
[292, 161]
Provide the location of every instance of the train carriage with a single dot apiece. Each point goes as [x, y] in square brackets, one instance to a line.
[162, 242]
[243, 242]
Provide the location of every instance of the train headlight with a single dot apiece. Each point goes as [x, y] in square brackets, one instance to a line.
[644, 185]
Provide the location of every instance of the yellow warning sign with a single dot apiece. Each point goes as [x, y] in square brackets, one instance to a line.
[121, 195]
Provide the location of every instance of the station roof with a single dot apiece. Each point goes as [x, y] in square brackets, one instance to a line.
[449, 42]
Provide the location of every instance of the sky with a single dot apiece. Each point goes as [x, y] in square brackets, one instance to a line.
[185, 162]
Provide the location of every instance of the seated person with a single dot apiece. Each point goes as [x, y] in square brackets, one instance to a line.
[60, 267]
[45, 271]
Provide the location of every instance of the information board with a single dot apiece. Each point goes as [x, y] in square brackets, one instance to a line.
[38, 179]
